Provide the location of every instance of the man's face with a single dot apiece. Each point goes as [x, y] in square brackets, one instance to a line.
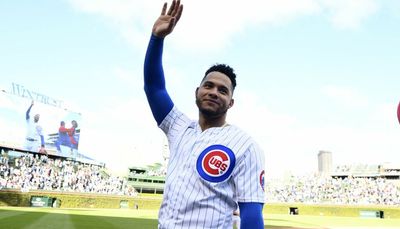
[214, 96]
[36, 117]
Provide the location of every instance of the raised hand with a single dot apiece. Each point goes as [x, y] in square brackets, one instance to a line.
[167, 21]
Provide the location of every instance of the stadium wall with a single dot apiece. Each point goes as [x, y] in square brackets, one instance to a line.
[153, 201]
[79, 200]
[331, 210]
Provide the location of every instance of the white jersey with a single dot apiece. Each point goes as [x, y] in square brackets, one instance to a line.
[33, 133]
[208, 173]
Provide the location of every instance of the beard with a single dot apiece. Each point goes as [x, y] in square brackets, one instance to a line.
[209, 112]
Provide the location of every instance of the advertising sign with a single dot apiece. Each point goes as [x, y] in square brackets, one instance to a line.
[41, 201]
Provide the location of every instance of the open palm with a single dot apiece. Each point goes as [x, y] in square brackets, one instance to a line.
[167, 21]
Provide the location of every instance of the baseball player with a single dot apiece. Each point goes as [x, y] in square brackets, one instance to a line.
[214, 166]
[34, 140]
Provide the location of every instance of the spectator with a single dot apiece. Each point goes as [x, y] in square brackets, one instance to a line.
[38, 172]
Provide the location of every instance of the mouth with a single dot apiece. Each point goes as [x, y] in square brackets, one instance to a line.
[211, 101]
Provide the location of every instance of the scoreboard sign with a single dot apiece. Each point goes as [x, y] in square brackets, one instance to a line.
[27, 123]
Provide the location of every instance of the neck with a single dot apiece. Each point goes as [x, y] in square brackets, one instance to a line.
[206, 122]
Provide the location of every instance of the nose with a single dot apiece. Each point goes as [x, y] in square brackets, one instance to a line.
[213, 92]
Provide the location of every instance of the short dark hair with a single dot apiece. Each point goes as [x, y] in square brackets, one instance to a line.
[225, 69]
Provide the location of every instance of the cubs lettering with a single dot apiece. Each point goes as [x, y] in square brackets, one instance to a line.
[215, 163]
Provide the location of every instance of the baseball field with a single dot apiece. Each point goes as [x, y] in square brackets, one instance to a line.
[28, 217]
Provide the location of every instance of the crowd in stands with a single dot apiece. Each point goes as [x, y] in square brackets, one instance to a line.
[314, 189]
[38, 172]
[162, 172]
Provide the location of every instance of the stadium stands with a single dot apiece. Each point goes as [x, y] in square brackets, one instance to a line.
[315, 189]
[38, 172]
[147, 180]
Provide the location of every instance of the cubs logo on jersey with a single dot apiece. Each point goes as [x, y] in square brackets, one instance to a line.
[215, 163]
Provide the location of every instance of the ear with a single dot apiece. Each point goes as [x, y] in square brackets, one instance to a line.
[231, 103]
[197, 89]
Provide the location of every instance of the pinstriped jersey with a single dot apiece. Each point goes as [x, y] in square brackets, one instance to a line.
[208, 173]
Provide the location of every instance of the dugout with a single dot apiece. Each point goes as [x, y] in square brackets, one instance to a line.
[372, 214]
[56, 203]
[124, 204]
[293, 210]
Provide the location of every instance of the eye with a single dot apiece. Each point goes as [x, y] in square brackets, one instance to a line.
[223, 91]
[207, 85]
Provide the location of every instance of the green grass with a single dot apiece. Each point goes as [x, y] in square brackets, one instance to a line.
[19, 217]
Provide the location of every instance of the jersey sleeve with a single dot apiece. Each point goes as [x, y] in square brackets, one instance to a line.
[174, 123]
[249, 175]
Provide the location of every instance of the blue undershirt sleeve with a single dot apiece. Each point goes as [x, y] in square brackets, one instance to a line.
[251, 215]
[154, 81]
[27, 112]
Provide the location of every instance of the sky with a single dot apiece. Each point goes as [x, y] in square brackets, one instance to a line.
[312, 74]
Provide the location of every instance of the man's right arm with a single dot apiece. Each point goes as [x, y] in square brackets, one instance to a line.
[154, 81]
[28, 111]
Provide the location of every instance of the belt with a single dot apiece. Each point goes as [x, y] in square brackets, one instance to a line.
[31, 139]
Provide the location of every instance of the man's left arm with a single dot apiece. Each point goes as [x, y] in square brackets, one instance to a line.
[249, 182]
[251, 215]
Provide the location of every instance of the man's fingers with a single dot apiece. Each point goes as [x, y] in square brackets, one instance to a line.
[164, 9]
[171, 24]
[171, 8]
[168, 18]
[176, 8]
[179, 13]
